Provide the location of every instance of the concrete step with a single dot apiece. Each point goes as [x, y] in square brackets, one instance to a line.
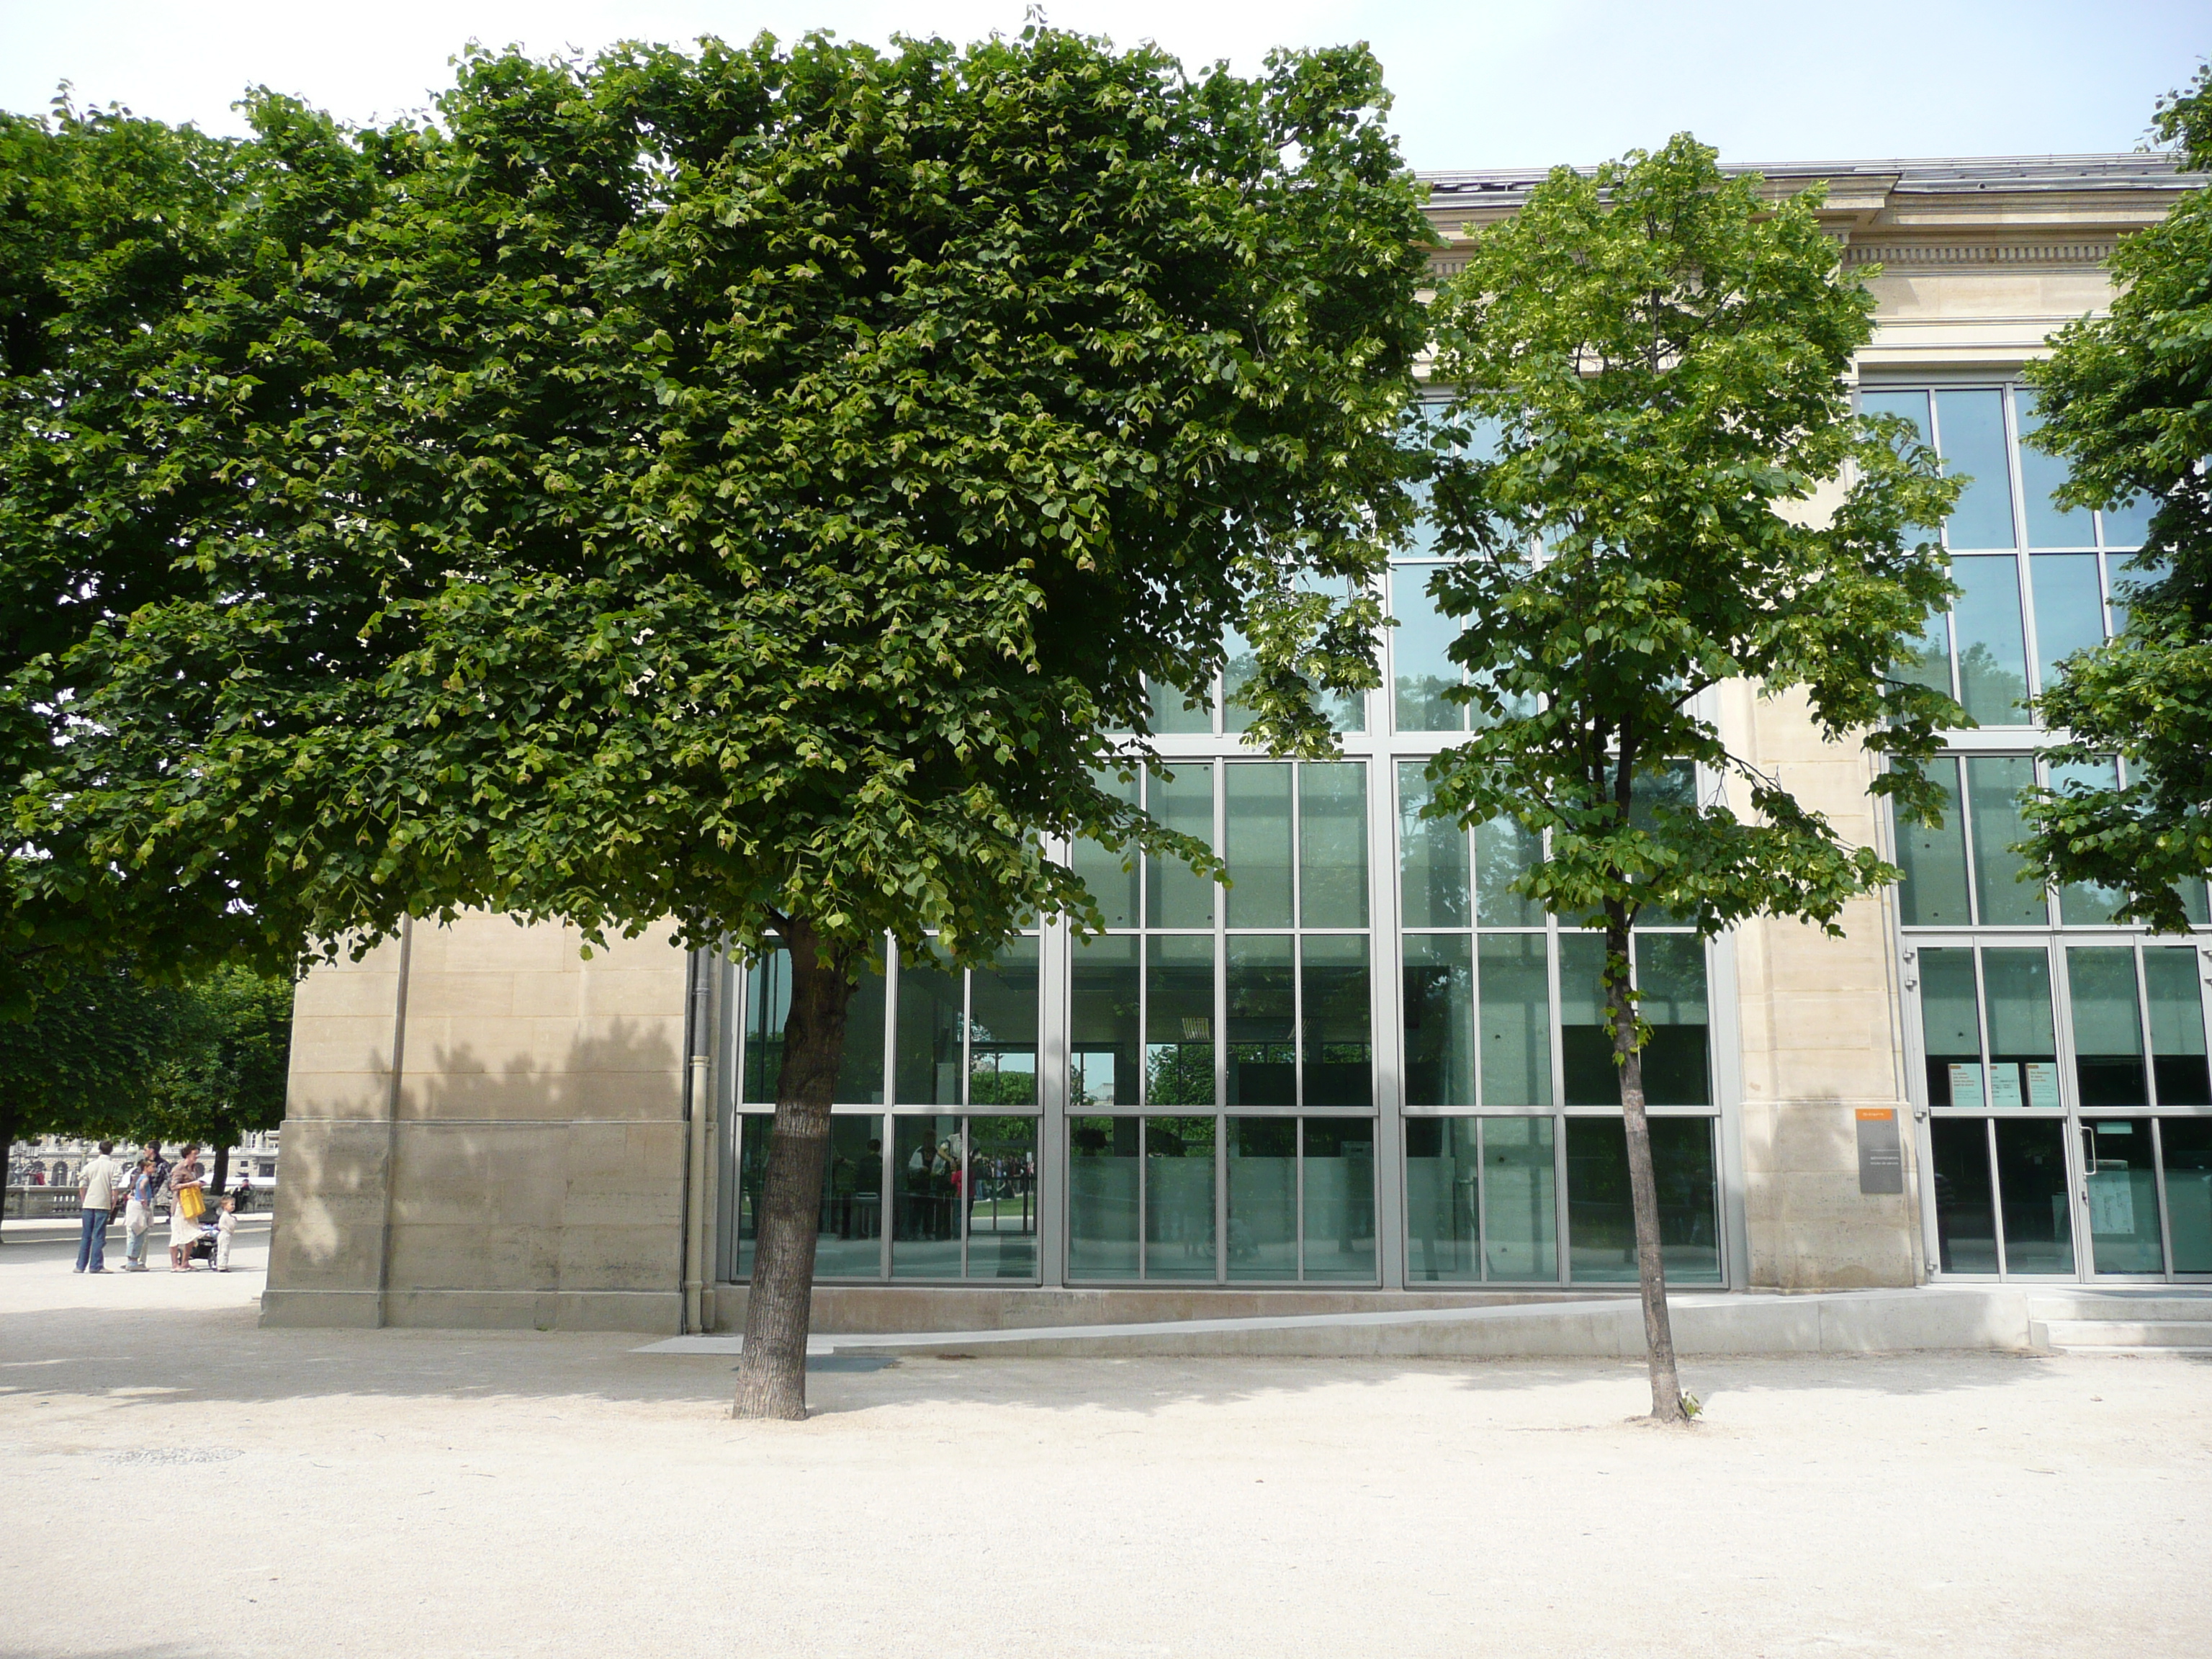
[2074, 1335]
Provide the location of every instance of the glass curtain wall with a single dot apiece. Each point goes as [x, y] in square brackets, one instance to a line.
[2061, 1058]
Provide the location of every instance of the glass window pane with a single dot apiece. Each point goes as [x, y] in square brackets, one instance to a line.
[1176, 895]
[848, 1242]
[1950, 1028]
[1911, 407]
[1440, 1016]
[1689, 1210]
[1257, 817]
[1670, 973]
[1993, 787]
[2128, 525]
[1504, 852]
[767, 1005]
[2023, 1052]
[1520, 1229]
[1443, 1187]
[1102, 1007]
[1263, 1202]
[1110, 875]
[2108, 1054]
[860, 1075]
[1179, 1197]
[2049, 525]
[1933, 893]
[1002, 1036]
[2080, 905]
[1179, 1021]
[927, 1160]
[1927, 661]
[1340, 1198]
[1263, 1068]
[1171, 715]
[1001, 1196]
[1421, 672]
[2069, 610]
[1992, 645]
[1971, 429]
[1515, 986]
[2185, 1144]
[926, 1052]
[1243, 664]
[752, 1175]
[1966, 1209]
[1600, 1213]
[2123, 1188]
[2177, 1025]
[1585, 1043]
[1339, 1055]
[1433, 857]
[2038, 1229]
[1102, 1171]
[1333, 844]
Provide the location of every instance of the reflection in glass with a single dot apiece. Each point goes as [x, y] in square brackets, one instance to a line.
[1111, 877]
[1422, 671]
[1433, 857]
[2177, 1025]
[1176, 895]
[849, 1243]
[1102, 1007]
[927, 1165]
[2079, 904]
[1504, 852]
[1257, 824]
[1103, 1173]
[1002, 1036]
[1179, 1020]
[1601, 1214]
[1992, 642]
[2049, 523]
[1263, 1204]
[1585, 1042]
[926, 1051]
[2108, 1050]
[2038, 1229]
[1670, 976]
[1993, 787]
[2023, 1051]
[1439, 1017]
[767, 1005]
[1339, 1044]
[1927, 660]
[1971, 426]
[1171, 713]
[1933, 893]
[1179, 1197]
[1263, 1067]
[1966, 1212]
[2129, 524]
[1000, 1191]
[2069, 610]
[1950, 1028]
[1520, 1227]
[1333, 844]
[1443, 1166]
[860, 1075]
[752, 1174]
[2186, 1146]
[2123, 1188]
[1515, 988]
[1340, 1198]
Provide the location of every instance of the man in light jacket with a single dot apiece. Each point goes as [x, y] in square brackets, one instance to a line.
[95, 1193]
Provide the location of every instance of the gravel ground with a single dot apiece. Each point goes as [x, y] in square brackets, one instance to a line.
[432, 1494]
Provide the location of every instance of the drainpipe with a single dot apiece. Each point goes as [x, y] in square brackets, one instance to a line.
[698, 1130]
[392, 1120]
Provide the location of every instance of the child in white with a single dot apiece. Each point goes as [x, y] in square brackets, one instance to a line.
[226, 1229]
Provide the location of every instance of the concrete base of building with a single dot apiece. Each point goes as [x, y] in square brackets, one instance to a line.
[647, 1312]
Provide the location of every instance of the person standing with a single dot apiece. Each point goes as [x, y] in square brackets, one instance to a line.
[144, 1187]
[187, 1190]
[226, 1230]
[95, 1194]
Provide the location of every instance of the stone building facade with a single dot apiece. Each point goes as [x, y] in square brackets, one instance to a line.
[1364, 1073]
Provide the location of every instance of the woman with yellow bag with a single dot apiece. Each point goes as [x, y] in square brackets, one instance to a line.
[187, 1186]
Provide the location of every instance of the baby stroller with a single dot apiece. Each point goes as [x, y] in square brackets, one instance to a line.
[201, 1249]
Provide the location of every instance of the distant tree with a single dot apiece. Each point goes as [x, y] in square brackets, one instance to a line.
[1659, 351]
[2126, 400]
[223, 1073]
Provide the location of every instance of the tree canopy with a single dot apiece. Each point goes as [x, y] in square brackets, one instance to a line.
[1651, 482]
[2127, 401]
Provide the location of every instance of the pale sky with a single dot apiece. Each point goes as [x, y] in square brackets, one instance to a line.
[1478, 83]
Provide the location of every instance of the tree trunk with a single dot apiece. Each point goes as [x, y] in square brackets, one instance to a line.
[1642, 1186]
[772, 1372]
[222, 1172]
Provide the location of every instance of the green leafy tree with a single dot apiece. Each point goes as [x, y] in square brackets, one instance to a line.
[746, 491]
[1652, 360]
[222, 1074]
[2127, 400]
